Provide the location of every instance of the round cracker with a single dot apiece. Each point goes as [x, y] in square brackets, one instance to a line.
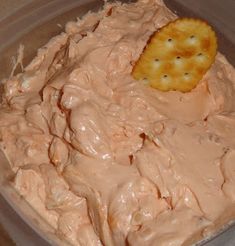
[177, 56]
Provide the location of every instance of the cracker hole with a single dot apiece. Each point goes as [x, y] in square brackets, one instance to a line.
[156, 63]
[186, 76]
[170, 43]
[201, 57]
[145, 81]
[178, 61]
[192, 40]
[166, 79]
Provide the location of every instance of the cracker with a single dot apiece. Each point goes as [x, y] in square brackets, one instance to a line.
[177, 56]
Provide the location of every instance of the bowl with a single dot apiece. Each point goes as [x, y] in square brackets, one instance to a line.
[32, 24]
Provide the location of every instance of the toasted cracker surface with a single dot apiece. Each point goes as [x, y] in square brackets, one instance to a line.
[177, 56]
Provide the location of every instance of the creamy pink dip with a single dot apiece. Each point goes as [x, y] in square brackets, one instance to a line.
[106, 160]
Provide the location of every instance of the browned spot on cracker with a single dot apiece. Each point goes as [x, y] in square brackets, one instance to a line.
[205, 44]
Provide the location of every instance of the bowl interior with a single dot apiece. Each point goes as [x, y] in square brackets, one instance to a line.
[33, 25]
